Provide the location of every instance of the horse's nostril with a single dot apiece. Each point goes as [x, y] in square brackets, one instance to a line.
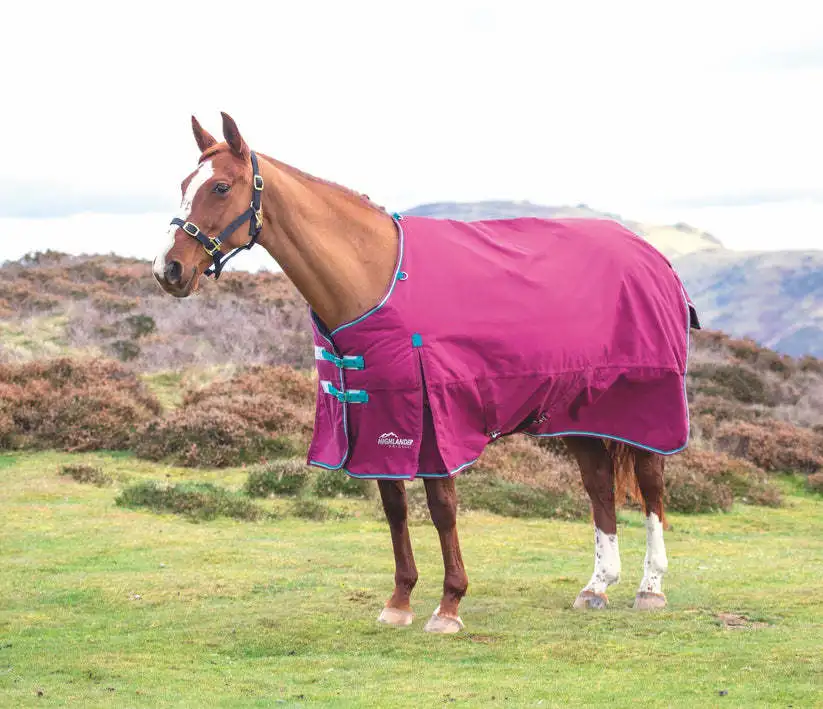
[174, 272]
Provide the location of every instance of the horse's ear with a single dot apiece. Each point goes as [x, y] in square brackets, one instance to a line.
[204, 139]
[233, 137]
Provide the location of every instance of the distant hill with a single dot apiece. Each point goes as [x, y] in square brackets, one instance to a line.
[774, 297]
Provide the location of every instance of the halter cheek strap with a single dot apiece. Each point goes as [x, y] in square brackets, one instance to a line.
[212, 244]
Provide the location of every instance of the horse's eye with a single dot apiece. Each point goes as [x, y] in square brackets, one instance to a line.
[221, 188]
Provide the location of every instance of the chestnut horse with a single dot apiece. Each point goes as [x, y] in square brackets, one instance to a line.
[339, 250]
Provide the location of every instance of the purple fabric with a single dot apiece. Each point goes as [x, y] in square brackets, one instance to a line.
[546, 327]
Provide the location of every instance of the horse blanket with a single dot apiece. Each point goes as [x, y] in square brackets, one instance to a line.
[545, 327]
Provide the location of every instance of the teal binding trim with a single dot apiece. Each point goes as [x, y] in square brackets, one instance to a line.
[345, 362]
[397, 269]
[417, 340]
[368, 476]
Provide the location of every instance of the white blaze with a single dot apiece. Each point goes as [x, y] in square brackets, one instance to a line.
[204, 172]
[656, 563]
[606, 562]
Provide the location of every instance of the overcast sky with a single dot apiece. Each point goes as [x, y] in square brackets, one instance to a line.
[710, 114]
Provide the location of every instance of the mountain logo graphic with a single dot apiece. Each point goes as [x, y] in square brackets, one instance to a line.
[392, 440]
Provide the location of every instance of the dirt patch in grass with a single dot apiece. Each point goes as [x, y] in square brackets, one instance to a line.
[734, 621]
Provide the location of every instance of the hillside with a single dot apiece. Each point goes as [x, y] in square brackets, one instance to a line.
[775, 298]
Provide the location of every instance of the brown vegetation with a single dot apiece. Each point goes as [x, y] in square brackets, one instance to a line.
[71, 404]
[773, 446]
[263, 412]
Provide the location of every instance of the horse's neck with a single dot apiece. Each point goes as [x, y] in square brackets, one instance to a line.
[338, 250]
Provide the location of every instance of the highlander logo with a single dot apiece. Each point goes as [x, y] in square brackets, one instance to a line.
[392, 440]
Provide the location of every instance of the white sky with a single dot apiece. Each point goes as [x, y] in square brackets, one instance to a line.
[709, 114]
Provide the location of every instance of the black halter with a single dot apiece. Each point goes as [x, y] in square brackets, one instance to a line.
[253, 214]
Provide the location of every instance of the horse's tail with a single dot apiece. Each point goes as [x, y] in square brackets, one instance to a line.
[625, 479]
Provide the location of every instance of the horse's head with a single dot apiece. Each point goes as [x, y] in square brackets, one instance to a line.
[215, 195]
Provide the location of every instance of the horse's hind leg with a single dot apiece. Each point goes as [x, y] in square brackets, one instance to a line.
[598, 479]
[649, 471]
[398, 610]
[442, 499]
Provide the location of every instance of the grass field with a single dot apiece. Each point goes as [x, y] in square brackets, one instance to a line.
[105, 606]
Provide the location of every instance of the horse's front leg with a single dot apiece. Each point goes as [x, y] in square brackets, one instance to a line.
[442, 499]
[398, 610]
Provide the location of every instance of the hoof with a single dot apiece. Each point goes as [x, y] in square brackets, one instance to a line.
[648, 601]
[395, 617]
[589, 600]
[443, 623]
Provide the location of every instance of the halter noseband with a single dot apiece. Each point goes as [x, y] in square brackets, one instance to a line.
[253, 214]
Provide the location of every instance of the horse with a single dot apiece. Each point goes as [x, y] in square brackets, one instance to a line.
[343, 253]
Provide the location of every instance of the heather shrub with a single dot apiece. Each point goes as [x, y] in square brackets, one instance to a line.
[140, 325]
[125, 350]
[197, 501]
[203, 437]
[773, 446]
[702, 480]
[308, 508]
[811, 364]
[263, 412]
[72, 404]
[722, 409]
[762, 358]
[518, 477]
[278, 400]
[109, 303]
[688, 491]
[481, 491]
[815, 482]
[335, 483]
[84, 473]
[277, 477]
[730, 380]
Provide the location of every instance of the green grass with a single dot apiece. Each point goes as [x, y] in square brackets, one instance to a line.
[106, 606]
[36, 337]
[169, 386]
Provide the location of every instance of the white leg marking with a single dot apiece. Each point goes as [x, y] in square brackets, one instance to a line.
[606, 562]
[204, 172]
[656, 563]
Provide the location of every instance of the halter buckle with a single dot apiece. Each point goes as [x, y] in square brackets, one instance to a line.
[191, 229]
[258, 183]
[258, 217]
[215, 246]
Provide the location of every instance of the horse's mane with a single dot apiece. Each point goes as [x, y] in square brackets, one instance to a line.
[361, 198]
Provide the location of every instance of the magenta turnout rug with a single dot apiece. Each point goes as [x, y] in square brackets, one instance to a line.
[543, 327]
